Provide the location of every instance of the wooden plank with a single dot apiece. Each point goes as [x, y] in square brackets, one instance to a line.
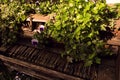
[39, 18]
[16, 52]
[114, 41]
[43, 58]
[48, 59]
[39, 68]
[71, 68]
[38, 57]
[32, 55]
[61, 66]
[36, 53]
[28, 72]
[3, 49]
[52, 61]
[26, 53]
[75, 69]
[56, 61]
[118, 66]
[39, 60]
[22, 52]
[12, 50]
[80, 69]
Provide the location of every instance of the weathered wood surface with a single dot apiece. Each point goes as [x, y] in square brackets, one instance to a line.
[39, 18]
[36, 59]
[49, 63]
[48, 59]
[26, 53]
[114, 41]
[27, 71]
[118, 65]
[3, 49]
[39, 68]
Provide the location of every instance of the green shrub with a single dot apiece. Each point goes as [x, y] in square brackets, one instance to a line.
[77, 24]
[13, 14]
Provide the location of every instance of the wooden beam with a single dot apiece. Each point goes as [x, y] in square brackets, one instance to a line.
[118, 66]
[114, 41]
[39, 18]
[39, 68]
[3, 49]
[27, 71]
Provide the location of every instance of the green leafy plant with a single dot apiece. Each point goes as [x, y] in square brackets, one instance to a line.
[77, 26]
[45, 7]
[12, 16]
[14, 13]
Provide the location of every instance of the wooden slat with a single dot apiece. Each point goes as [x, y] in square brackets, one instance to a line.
[53, 59]
[22, 52]
[71, 69]
[56, 61]
[3, 49]
[39, 68]
[38, 57]
[28, 72]
[118, 66]
[32, 55]
[25, 54]
[46, 59]
[28, 52]
[39, 60]
[43, 58]
[76, 68]
[80, 69]
[17, 51]
[35, 55]
[12, 50]
[58, 65]
[114, 41]
[38, 18]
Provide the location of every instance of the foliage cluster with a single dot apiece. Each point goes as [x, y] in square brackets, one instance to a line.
[13, 14]
[76, 25]
[46, 7]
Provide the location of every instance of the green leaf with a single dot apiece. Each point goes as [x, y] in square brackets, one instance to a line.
[97, 60]
[88, 63]
[77, 31]
[91, 56]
